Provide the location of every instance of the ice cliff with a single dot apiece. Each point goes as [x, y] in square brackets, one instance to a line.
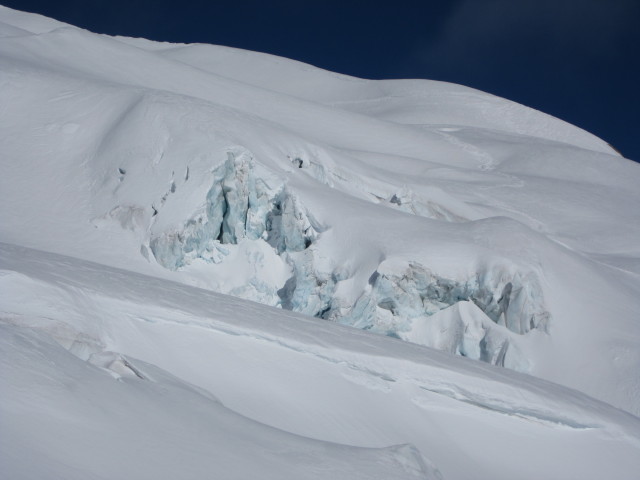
[249, 206]
[241, 204]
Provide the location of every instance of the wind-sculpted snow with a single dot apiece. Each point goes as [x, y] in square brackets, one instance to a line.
[99, 363]
[150, 424]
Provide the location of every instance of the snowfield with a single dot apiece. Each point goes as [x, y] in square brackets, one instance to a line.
[190, 233]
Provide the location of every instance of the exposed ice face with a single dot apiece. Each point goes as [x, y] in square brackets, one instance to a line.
[395, 296]
[310, 290]
[249, 209]
[476, 318]
[244, 202]
[464, 329]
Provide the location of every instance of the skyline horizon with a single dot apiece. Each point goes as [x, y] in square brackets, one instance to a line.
[574, 63]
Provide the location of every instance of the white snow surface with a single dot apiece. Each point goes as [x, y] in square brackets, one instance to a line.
[174, 216]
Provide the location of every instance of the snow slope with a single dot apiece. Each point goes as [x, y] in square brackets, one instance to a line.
[155, 174]
[317, 380]
[132, 420]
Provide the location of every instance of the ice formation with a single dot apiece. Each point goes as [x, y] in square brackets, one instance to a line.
[513, 302]
[241, 204]
[496, 305]
[249, 203]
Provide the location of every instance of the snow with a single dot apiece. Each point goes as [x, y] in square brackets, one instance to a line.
[173, 216]
[316, 380]
[101, 420]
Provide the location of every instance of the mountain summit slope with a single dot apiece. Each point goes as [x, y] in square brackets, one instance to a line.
[141, 177]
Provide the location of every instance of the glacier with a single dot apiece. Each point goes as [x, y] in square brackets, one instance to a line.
[190, 233]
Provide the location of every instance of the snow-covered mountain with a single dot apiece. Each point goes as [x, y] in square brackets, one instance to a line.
[191, 232]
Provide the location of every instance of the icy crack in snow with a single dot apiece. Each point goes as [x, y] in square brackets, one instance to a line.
[499, 406]
[369, 377]
[83, 346]
[116, 364]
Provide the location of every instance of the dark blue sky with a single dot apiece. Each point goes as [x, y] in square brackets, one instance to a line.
[578, 60]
